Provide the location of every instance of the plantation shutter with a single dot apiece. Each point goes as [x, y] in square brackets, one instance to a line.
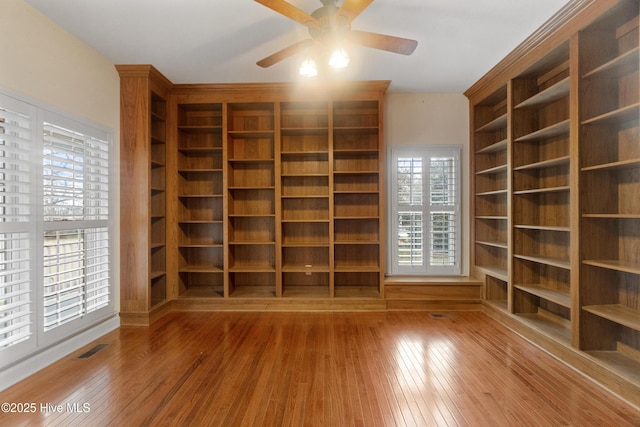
[443, 206]
[409, 216]
[76, 240]
[425, 219]
[55, 227]
[17, 123]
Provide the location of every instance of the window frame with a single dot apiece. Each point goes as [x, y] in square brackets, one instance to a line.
[425, 152]
[36, 226]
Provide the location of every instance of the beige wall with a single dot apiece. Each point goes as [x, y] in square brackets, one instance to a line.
[46, 64]
[433, 119]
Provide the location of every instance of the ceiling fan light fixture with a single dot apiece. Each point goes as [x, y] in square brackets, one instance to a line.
[339, 58]
[330, 24]
[308, 68]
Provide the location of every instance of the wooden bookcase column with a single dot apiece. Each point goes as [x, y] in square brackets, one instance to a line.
[144, 150]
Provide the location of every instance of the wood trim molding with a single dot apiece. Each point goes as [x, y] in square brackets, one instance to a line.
[144, 70]
[281, 91]
[574, 16]
[146, 318]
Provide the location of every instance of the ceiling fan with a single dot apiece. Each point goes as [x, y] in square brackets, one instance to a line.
[331, 24]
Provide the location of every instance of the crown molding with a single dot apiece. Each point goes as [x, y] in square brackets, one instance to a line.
[569, 20]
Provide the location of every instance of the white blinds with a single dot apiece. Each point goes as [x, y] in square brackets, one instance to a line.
[442, 181]
[16, 133]
[55, 227]
[75, 192]
[76, 274]
[76, 175]
[15, 168]
[425, 207]
[15, 289]
[443, 238]
[442, 218]
[409, 181]
[410, 238]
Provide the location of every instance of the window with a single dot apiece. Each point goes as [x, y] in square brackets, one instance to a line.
[16, 236]
[76, 211]
[55, 227]
[425, 210]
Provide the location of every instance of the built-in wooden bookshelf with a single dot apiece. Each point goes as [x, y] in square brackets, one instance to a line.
[199, 201]
[268, 193]
[541, 212]
[158, 195]
[491, 194]
[144, 206]
[251, 200]
[610, 189]
[565, 270]
[304, 176]
[356, 198]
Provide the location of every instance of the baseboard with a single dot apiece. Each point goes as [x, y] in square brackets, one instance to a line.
[581, 362]
[433, 305]
[148, 317]
[46, 357]
[279, 304]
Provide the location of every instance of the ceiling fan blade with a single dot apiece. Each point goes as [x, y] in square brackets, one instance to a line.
[352, 8]
[290, 11]
[285, 53]
[384, 42]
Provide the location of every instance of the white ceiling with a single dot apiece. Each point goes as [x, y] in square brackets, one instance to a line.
[219, 41]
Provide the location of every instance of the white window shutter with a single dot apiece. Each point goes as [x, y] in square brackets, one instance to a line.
[55, 227]
[443, 221]
[75, 193]
[17, 123]
[425, 206]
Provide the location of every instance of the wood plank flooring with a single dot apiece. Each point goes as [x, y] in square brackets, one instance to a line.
[317, 369]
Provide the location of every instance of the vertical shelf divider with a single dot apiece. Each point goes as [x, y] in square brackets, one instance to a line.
[331, 189]
[277, 148]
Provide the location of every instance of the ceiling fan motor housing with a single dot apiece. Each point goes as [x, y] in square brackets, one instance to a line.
[330, 22]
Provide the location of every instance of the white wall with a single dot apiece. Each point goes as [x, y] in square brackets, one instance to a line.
[433, 119]
[45, 64]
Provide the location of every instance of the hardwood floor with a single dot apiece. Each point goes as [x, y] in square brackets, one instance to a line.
[317, 369]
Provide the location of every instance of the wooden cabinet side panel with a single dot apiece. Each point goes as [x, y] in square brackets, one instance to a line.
[134, 194]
